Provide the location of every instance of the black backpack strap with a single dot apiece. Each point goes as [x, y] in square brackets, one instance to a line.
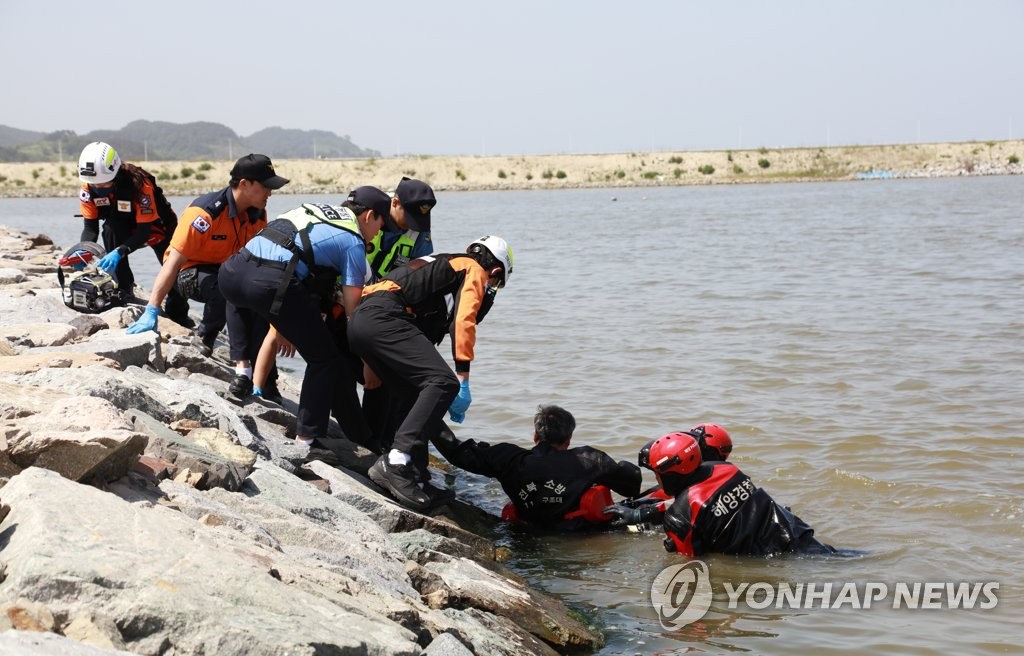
[282, 289]
[275, 235]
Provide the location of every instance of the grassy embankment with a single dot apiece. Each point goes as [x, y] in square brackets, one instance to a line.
[463, 173]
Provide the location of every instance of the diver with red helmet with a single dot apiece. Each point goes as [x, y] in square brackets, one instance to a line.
[715, 506]
[714, 442]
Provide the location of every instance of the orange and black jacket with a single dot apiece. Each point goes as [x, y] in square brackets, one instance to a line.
[722, 511]
[444, 293]
[145, 209]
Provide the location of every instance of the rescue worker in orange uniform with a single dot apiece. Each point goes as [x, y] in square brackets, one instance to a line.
[212, 229]
[135, 214]
[394, 330]
[549, 485]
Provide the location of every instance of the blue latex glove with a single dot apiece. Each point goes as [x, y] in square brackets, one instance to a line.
[457, 410]
[109, 261]
[146, 322]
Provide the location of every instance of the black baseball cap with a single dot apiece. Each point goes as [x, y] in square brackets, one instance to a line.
[376, 200]
[417, 198]
[258, 168]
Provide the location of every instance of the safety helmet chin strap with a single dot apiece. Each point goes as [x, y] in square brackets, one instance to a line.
[491, 264]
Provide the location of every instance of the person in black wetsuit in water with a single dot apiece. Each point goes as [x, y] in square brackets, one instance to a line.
[716, 507]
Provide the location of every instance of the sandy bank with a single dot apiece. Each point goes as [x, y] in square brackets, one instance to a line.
[465, 173]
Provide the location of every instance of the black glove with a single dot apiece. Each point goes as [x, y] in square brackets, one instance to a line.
[443, 438]
[636, 502]
[625, 515]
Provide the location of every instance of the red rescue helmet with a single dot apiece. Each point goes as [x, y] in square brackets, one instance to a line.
[715, 438]
[676, 452]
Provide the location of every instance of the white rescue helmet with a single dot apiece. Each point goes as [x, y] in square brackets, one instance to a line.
[98, 164]
[499, 249]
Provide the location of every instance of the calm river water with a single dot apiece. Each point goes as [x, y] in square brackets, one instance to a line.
[862, 342]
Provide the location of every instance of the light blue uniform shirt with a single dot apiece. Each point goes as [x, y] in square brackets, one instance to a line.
[334, 247]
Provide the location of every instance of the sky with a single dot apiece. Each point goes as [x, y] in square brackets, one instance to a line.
[525, 77]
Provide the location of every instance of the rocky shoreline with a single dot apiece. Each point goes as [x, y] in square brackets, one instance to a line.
[531, 172]
[147, 511]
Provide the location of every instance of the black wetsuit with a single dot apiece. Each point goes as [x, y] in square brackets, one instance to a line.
[717, 508]
[544, 483]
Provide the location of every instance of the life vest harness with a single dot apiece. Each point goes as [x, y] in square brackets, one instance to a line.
[592, 504]
[437, 319]
[298, 222]
[382, 262]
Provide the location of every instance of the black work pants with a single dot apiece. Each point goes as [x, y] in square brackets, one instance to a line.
[250, 283]
[380, 417]
[345, 406]
[200, 283]
[387, 338]
[246, 332]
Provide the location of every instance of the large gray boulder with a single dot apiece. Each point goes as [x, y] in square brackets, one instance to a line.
[38, 334]
[193, 589]
[34, 643]
[81, 438]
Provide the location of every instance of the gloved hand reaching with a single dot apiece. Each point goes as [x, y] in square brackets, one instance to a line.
[625, 515]
[146, 322]
[457, 410]
[110, 261]
[445, 439]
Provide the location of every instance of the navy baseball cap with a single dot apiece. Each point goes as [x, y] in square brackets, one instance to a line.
[376, 200]
[418, 199]
[259, 168]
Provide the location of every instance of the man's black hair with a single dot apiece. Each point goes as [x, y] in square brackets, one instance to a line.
[553, 425]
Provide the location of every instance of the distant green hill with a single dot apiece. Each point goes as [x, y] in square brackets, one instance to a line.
[305, 144]
[15, 137]
[159, 140]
